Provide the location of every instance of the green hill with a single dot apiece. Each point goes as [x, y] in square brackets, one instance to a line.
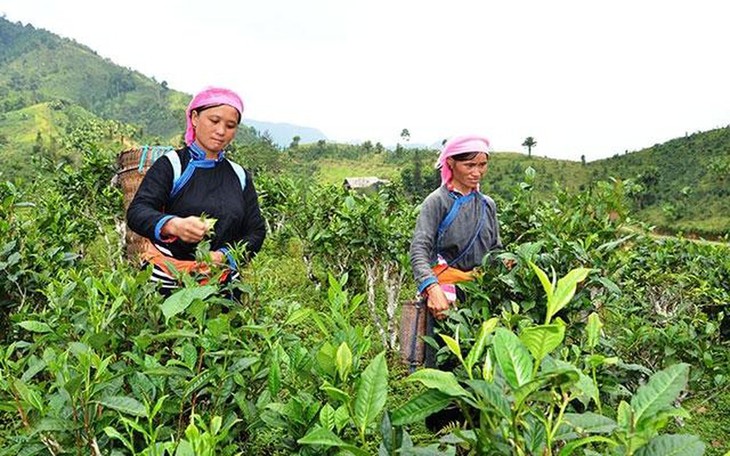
[682, 184]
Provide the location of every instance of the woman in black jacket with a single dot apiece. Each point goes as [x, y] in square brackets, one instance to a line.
[187, 189]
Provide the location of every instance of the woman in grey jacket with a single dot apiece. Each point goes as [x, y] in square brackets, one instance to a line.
[457, 225]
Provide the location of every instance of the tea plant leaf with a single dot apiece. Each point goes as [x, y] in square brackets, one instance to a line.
[570, 447]
[593, 330]
[274, 377]
[184, 449]
[624, 415]
[124, 404]
[35, 365]
[343, 359]
[565, 290]
[443, 381]
[546, 284]
[372, 392]
[491, 396]
[298, 316]
[327, 417]
[335, 394]
[56, 425]
[342, 417]
[512, 357]
[673, 445]
[659, 392]
[198, 382]
[418, 408]
[321, 436]
[580, 424]
[35, 326]
[453, 345]
[30, 396]
[181, 300]
[542, 340]
[325, 437]
[114, 434]
[477, 350]
[585, 389]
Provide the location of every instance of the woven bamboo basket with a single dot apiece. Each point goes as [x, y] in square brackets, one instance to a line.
[132, 165]
[412, 329]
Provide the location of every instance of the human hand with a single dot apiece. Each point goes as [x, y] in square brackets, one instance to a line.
[189, 229]
[437, 302]
[218, 258]
[509, 263]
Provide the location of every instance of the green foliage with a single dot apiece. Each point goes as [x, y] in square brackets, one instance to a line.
[548, 352]
[521, 400]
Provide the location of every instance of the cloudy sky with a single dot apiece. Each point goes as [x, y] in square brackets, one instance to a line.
[582, 77]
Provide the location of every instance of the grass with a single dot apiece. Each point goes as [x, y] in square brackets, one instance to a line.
[708, 420]
[333, 171]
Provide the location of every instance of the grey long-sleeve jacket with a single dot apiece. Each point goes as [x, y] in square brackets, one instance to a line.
[427, 244]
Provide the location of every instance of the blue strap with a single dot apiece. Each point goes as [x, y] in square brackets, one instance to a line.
[197, 160]
[474, 237]
[142, 159]
[451, 216]
[453, 212]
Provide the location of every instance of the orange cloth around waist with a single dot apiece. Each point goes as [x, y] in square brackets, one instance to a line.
[154, 256]
[445, 274]
[162, 261]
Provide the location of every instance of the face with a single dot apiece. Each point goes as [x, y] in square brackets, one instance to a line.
[467, 174]
[215, 127]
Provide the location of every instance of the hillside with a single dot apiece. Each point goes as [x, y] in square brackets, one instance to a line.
[39, 69]
[682, 184]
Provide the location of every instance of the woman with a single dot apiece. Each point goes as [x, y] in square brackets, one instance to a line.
[457, 225]
[185, 190]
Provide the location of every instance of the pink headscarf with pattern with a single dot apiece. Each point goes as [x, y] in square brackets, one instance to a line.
[460, 145]
[210, 96]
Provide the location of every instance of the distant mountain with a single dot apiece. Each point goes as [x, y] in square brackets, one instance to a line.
[283, 133]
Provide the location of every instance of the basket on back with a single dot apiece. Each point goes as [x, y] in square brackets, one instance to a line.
[132, 165]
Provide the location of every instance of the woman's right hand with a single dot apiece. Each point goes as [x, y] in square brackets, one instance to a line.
[437, 302]
[189, 229]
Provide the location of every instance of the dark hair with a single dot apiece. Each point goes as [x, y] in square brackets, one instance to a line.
[466, 156]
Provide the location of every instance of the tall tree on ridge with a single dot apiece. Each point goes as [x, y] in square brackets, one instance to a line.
[529, 143]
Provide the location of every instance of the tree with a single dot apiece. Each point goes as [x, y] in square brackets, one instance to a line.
[405, 135]
[529, 143]
[295, 142]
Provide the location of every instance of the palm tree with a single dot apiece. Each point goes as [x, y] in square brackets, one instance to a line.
[529, 143]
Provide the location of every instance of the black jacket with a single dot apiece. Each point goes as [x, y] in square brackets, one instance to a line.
[216, 192]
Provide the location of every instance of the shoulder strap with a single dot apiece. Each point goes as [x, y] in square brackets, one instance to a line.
[180, 177]
[174, 159]
[451, 216]
[453, 212]
[240, 173]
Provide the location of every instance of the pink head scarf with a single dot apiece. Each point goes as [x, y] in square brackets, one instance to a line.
[210, 96]
[460, 145]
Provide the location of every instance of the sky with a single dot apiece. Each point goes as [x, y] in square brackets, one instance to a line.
[583, 78]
